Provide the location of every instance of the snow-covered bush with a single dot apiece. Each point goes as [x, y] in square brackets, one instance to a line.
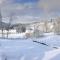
[28, 35]
[57, 26]
[37, 33]
[57, 29]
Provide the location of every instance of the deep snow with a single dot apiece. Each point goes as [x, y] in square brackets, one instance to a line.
[26, 49]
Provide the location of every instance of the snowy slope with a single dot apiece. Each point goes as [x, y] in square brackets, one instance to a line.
[28, 50]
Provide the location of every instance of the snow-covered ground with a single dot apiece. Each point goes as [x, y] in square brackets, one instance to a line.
[26, 49]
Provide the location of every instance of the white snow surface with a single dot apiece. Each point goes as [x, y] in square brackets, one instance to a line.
[26, 49]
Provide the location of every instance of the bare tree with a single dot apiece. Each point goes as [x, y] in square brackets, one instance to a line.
[37, 33]
[9, 24]
[57, 26]
[46, 28]
[1, 25]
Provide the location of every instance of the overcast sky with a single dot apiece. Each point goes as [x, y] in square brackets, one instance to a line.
[29, 10]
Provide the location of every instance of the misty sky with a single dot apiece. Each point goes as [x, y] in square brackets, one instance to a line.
[29, 10]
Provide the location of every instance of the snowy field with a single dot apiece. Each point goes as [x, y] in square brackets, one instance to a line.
[26, 49]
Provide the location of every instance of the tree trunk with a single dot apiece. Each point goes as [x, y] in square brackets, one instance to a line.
[2, 33]
[7, 33]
